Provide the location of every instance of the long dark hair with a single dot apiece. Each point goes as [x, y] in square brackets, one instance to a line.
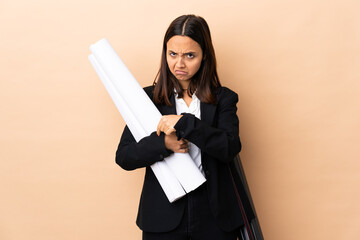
[206, 80]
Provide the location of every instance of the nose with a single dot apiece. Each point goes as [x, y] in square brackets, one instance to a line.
[180, 62]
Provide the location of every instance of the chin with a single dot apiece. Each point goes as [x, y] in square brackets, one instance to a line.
[183, 78]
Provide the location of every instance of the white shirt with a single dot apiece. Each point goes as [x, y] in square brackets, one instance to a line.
[194, 109]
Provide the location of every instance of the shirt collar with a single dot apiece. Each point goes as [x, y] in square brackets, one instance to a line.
[193, 96]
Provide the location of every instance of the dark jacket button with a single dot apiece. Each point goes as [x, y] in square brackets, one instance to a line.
[207, 173]
[161, 156]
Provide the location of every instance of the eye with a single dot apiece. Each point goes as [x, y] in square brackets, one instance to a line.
[190, 55]
[172, 54]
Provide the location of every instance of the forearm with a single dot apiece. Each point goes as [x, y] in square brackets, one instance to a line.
[131, 155]
[221, 144]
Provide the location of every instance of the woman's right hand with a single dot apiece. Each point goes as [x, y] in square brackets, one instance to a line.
[174, 145]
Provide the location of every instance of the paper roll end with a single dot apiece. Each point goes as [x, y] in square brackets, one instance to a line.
[101, 41]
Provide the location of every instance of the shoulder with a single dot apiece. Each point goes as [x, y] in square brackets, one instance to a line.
[226, 95]
[149, 91]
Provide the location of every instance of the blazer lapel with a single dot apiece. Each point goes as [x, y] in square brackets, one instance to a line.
[166, 110]
[207, 112]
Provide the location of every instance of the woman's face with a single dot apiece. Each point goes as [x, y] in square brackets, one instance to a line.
[184, 57]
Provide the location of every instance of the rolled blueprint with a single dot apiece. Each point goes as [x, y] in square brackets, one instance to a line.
[177, 174]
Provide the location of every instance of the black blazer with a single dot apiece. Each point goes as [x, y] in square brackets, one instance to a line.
[216, 134]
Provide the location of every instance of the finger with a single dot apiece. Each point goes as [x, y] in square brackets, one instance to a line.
[159, 127]
[182, 150]
[184, 145]
[158, 130]
[169, 131]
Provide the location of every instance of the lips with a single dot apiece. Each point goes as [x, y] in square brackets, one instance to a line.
[178, 72]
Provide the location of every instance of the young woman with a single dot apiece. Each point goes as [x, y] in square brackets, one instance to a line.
[199, 117]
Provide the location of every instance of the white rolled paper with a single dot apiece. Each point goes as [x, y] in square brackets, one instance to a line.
[177, 174]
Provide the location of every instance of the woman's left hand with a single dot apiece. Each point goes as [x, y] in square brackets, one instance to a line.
[167, 123]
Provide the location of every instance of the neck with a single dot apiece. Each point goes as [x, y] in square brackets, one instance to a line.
[184, 84]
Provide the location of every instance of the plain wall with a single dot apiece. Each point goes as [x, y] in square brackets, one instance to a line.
[295, 65]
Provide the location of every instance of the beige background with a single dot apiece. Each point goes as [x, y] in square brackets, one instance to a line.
[295, 65]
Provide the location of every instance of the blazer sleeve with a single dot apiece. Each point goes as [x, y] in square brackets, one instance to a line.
[221, 142]
[131, 155]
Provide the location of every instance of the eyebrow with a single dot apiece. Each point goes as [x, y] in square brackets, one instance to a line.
[192, 52]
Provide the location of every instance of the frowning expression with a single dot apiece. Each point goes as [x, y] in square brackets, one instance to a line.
[184, 57]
